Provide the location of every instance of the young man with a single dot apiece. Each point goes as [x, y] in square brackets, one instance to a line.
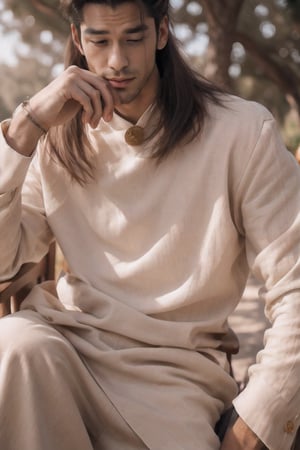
[161, 192]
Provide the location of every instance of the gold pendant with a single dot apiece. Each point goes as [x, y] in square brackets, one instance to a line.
[134, 135]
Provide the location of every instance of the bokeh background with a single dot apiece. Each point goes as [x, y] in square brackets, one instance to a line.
[250, 47]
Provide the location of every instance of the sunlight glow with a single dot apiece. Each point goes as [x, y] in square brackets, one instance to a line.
[267, 29]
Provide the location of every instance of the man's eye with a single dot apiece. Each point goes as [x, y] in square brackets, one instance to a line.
[133, 40]
[102, 42]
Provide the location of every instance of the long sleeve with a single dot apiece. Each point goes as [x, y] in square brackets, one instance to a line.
[269, 193]
[25, 234]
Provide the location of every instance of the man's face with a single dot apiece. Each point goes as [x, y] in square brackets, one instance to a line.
[120, 46]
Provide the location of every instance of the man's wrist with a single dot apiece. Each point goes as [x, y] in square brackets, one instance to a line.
[245, 436]
[21, 133]
[30, 116]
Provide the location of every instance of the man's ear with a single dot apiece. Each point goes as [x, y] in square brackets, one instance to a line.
[76, 38]
[163, 33]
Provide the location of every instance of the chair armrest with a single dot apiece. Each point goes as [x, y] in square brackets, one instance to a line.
[13, 291]
[28, 274]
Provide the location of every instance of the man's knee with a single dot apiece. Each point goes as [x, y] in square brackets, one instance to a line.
[25, 335]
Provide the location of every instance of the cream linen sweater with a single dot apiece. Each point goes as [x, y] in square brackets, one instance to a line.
[159, 254]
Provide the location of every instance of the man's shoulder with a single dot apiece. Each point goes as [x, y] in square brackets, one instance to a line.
[237, 116]
[234, 106]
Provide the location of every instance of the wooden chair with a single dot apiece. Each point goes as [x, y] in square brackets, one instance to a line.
[13, 291]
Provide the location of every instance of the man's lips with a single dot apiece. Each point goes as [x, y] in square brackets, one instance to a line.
[119, 83]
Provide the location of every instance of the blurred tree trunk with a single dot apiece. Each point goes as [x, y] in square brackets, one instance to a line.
[283, 77]
[222, 19]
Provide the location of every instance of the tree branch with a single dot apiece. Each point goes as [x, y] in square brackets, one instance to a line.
[210, 13]
[43, 8]
[283, 76]
[222, 14]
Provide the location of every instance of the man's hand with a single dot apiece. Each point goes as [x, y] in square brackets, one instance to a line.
[75, 88]
[241, 437]
[59, 102]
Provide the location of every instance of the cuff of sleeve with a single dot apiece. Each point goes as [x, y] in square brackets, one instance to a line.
[13, 165]
[273, 420]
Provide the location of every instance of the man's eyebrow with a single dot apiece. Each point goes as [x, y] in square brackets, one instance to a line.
[137, 29]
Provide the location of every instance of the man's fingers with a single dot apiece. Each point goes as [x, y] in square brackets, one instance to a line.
[75, 89]
[109, 97]
[95, 102]
[102, 92]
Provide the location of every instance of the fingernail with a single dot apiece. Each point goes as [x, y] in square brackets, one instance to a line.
[108, 117]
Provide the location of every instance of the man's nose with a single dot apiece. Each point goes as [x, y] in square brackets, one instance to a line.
[117, 58]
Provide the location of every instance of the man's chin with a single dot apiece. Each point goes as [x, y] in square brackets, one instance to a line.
[123, 99]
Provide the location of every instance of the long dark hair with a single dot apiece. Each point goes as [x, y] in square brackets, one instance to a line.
[181, 99]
